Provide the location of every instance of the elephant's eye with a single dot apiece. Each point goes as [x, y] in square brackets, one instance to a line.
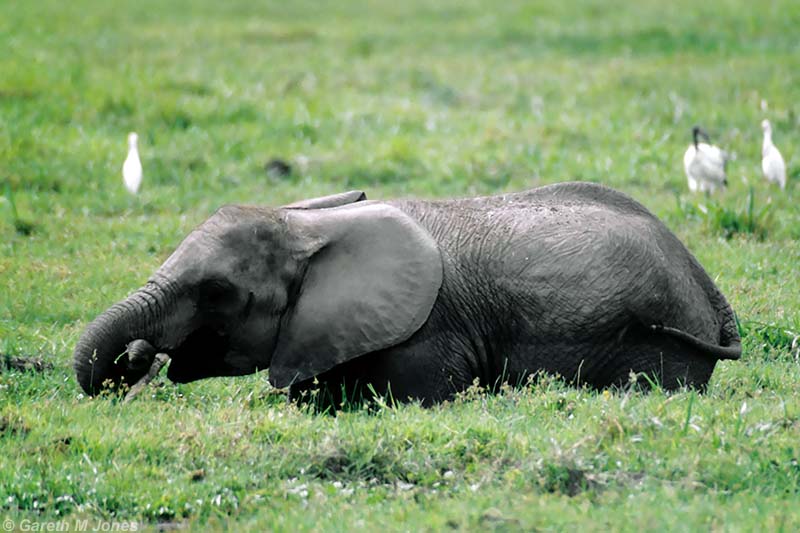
[216, 294]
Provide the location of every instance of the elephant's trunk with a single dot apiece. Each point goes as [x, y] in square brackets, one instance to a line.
[100, 356]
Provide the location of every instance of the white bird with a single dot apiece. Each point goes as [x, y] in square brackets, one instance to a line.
[772, 163]
[704, 164]
[132, 168]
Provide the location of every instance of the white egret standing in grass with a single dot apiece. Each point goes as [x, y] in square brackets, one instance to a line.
[704, 164]
[772, 163]
[132, 168]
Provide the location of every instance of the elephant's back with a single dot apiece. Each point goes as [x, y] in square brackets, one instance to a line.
[567, 214]
[538, 241]
[567, 205]
[565, 193]
[572, 254]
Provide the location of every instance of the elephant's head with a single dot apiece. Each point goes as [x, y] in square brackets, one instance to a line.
[298, 289]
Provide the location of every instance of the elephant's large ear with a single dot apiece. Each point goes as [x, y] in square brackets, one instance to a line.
[332, 200]
[373, 276]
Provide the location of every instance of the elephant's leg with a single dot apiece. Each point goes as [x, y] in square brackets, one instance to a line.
[415, 371]
[408, 372]
[329, 392]
[577, 362]
[661, 358]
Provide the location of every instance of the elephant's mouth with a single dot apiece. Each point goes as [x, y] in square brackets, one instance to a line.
[200, 355]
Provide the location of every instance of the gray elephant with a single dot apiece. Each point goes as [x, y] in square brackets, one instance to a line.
[417, 299]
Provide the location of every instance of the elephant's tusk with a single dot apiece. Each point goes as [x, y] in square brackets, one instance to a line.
[158, 363]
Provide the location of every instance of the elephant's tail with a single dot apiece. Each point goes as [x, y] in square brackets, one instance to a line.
[733, 350]
[729, 345]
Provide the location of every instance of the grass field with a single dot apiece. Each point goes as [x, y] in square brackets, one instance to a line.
[424, 99]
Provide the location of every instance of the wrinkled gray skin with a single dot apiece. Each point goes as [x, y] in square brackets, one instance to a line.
[418, 298]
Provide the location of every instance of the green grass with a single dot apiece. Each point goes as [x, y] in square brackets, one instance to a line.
[424, 99]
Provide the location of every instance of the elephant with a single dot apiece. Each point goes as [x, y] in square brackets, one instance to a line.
[419, 299]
